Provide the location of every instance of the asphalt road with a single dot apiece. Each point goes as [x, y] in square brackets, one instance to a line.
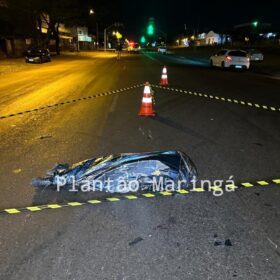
[178, 237]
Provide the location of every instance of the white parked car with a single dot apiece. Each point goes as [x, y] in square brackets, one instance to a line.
[231, 59]
[255, 55]
[162, 50]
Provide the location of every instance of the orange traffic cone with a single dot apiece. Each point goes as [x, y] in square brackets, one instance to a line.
[146, 109]
[164, 79]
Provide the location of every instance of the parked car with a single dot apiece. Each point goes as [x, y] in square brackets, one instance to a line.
[255, 55]
[162, 49]
[37, 56]
[237, 59]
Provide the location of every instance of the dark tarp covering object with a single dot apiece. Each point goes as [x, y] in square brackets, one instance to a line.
[144, 168]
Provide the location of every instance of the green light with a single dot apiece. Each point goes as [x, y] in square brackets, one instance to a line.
[150, 29]
[143, 40]
[255, 23]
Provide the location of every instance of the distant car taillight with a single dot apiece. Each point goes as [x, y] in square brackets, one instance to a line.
[228, 58]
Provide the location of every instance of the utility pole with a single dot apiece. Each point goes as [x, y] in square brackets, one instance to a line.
[97, 35]
[105, 33]
[105, 39]
[78, 45]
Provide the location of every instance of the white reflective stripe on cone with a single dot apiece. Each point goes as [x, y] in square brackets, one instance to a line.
[147, 100]
[164, 71]
[147, 89]
[164, 76]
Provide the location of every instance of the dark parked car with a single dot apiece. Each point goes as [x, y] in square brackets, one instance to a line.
[37, 56]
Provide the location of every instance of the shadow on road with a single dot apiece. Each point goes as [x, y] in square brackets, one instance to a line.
[181, 128]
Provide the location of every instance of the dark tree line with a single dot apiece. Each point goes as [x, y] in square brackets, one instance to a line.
[26, 17]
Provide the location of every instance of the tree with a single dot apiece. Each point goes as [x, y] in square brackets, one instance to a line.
[55, 12]
[19, 18]
[26, 17]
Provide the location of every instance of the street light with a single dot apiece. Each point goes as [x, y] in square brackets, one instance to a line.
[91, 13]
[118, 35]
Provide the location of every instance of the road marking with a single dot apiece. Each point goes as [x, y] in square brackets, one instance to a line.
[54, 206]
[166, 193]
[263, 183]
[12, 211]
[247, 185]
[219, 98]
[129, 197]
[198, 190]
[74, 204]
[113, 199]
[183, 192]
[216, 188]
[149, 195]
[122, 90]
[232, 187]
[33, 208]
[94, 201]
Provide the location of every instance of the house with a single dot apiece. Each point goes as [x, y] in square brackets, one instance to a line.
[15, 40]
[86, 42]
[212, 38]
[70, 38]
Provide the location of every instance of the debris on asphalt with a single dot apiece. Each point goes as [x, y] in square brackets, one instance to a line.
[135, 241]
[217, 243]
[149, 133]
[58, 168]
[17, 171]
[124, 173]
[45, 137]
[228, 242]
[259, 144]
[267, 205]
[163, 226]
[172, 220]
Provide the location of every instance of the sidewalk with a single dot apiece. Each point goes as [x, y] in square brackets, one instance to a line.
[9, 65]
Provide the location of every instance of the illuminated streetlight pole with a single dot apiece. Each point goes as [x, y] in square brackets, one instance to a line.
[116, 24]
[78, 45]
[91, 13]
[105, 35]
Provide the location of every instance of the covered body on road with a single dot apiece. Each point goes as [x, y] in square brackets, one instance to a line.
[125, 173]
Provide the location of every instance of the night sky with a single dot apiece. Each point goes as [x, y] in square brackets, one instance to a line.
[203, 15]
